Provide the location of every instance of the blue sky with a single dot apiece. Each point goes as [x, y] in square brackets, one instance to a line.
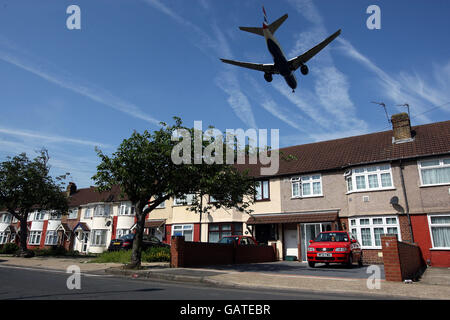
[137, 62]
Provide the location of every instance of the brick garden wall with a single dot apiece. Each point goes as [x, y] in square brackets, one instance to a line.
[401, 260]
[190, 254]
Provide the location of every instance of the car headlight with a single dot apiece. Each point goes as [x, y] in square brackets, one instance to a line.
[341, 249]
[311, 249]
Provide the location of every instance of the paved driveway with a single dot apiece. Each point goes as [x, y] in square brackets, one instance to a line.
[299, 268]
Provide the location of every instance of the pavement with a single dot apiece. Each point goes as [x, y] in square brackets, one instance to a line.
[282, 275]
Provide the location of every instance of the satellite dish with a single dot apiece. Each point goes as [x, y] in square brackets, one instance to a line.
[394, 200]
[108, 223]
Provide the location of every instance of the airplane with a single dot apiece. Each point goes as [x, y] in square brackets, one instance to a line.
[281, 65]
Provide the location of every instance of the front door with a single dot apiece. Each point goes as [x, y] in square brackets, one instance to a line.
[291, 242]
[84, 242]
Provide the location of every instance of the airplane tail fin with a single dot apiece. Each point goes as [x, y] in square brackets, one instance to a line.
[276, 24]
[272, 27]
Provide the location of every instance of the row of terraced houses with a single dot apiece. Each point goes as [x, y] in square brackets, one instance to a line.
[391, 182]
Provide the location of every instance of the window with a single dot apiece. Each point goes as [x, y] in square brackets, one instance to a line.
[435, 172]
[122, 232]
[217, 231]
[262, 190]
[182, 201]
[440, 231]
[98, 237]
[39, 215]
[73, 213]
[368, 230]
[51, 238]
[34, 238]
[3, 237]
[101, 210]
[369, 178]
[306, 186]
[6, 218]
[55, 215]
[185, 230]
[126, 209]
[88, 212]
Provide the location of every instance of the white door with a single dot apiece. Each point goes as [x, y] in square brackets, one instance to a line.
[290, 241]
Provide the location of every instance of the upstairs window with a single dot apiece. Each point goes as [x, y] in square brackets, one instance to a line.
[369, 178]
[73, 213]
[262, 190]
[39, 215]
[126, 209]
[306, 186]
[182, 201]
[101, 210]
[6, 218]
[435, 172]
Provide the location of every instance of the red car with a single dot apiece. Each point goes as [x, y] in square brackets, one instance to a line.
[334, 247]
[241, 240]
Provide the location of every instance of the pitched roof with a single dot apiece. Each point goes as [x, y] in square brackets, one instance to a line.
[429, 139]
[91, 195]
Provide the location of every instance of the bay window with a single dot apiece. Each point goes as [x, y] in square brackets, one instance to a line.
[3, 237]
[435, 172]
[369, 178]
[98, 237]
[368, 230]
[51, 238]
[440, 231]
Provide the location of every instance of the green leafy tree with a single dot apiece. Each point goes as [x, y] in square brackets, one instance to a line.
[26, 186]
[143, 168]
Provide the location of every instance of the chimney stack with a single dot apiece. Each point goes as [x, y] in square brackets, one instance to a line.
[401, 126]
[71, 189]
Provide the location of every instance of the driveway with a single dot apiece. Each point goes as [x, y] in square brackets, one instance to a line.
[301, 268]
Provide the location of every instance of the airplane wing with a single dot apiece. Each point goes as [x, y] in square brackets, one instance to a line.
[267, 68]
[298, 61]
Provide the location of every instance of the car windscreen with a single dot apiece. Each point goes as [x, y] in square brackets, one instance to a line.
[128, 236]
[228, 239]
[332, 236]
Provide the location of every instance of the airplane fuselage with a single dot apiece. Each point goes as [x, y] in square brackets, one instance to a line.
[279, 59]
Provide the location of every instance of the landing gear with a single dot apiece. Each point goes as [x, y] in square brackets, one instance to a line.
[268, 77]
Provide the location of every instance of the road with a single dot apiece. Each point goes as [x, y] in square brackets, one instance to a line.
[34, 284]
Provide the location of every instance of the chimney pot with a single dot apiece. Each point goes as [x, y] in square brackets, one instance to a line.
[71, 188]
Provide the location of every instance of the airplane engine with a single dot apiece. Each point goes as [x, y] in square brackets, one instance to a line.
[304, 70]
[268, 77]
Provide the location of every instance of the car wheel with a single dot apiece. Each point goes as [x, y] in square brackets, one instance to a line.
[350, 261]
[311, 264]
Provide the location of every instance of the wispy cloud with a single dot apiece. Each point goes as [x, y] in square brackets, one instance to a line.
[407, 87]
[215, 45]
[50, 138]
[90, 91]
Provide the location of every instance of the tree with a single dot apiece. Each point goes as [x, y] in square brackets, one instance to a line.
[26, 186]
[144, 169]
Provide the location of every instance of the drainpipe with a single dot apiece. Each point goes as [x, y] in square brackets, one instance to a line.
[406, 201]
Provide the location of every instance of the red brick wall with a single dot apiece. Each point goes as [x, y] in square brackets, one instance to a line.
[401, 260]
[189, 254]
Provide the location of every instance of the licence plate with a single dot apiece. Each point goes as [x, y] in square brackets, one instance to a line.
[116, 243]
[324, 254]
